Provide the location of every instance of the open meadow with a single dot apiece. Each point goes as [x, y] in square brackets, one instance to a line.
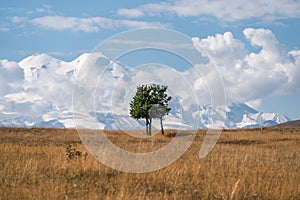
[39, 163]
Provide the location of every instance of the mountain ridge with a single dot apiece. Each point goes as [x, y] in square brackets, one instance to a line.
[44, 98]
[293, 123]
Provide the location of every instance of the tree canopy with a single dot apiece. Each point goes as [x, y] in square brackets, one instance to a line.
[150, 102]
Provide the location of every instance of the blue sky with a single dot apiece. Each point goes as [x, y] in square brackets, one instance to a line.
[66, 29]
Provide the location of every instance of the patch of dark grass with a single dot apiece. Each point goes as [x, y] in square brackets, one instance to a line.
[240, 142]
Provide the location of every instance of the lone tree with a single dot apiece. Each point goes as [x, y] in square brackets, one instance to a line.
[150, 102]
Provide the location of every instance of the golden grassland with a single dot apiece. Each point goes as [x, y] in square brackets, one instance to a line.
[244, 164]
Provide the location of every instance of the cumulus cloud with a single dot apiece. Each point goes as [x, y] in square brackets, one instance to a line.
[92, 24]
[11, 76]
[249, 76]
[224, 47]
[228, 10]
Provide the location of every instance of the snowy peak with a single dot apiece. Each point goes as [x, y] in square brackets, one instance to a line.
[237, 111]
[37, 64]
[39, 61]
[236, 115]
[86, 59]
[242, 107]
[240, 115]
[87, 56]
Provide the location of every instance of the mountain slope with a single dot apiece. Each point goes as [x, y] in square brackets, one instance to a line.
[295, 123]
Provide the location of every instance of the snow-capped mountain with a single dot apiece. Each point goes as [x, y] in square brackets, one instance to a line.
[239, 115]
[41, 95]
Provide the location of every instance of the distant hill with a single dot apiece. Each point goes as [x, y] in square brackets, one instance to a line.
[295, 123]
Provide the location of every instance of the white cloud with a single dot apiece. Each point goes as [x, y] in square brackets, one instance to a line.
[17, 19]
[66, 23]
[11, 76]
[22, 97]
[227, 10]
[176, 44]
[92, 24]
[249, 76]
[254, 103]
[130, 13]
[223, 46]
[4, 29]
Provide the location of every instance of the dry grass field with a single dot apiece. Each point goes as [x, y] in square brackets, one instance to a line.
[244, 164]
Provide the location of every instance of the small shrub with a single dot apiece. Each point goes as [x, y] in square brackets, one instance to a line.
[72, 153]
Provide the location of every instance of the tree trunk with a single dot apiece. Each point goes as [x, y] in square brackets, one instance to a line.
[150, 122]
[147, 126]
[161, 125]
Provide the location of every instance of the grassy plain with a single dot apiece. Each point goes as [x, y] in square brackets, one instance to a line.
[244, 164]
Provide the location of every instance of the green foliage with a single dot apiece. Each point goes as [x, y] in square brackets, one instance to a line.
[150, 101]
